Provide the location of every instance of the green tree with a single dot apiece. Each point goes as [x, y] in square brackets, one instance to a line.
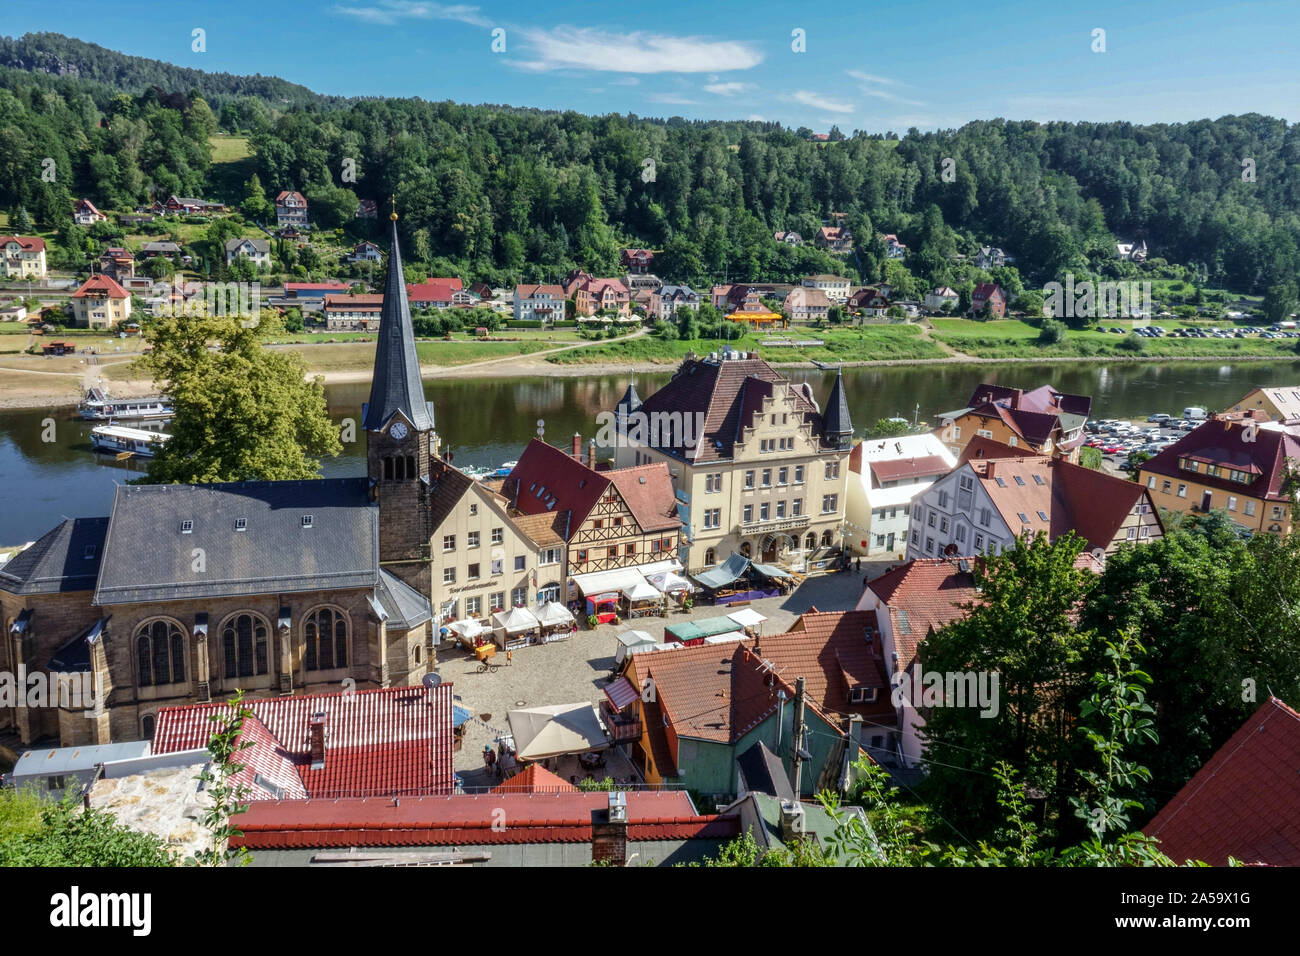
[37, 833]
[1280, 301]
[243, 412]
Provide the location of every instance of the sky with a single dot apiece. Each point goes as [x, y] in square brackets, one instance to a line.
[859, 65]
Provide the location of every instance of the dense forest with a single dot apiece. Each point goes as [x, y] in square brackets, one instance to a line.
[505, 194]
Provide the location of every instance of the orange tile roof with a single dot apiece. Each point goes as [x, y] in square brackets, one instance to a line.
[648, 492]
[833, 651]
[101, 285]
[922, 594]
[28, 243]
[535, 779]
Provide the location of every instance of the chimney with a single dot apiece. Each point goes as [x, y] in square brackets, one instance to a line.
[577, 447]
[609, 831]
[316, 736]
[591, 454]
[793, 823]
[988, 468]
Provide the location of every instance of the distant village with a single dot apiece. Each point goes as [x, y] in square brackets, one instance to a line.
[644, 583]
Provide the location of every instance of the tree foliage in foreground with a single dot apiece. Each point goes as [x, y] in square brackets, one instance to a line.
[34, 832]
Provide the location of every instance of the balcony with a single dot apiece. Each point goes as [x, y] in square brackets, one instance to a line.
[799, 522]
[623, 727]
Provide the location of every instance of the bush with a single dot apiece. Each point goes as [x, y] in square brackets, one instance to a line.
[1052, 332]
[1133, 343]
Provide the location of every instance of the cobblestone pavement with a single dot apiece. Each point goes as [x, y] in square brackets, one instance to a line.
[578, 669]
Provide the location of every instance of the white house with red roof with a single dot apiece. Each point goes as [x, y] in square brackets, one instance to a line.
[84, 213]
[290, 209]
[435, 293]
[885, 474]
[100, 303]
[23, 257]
[539, 303]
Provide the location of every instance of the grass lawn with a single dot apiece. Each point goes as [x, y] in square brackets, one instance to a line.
[12, 342]
[1015, 339]
[859, 344]
[10, 328]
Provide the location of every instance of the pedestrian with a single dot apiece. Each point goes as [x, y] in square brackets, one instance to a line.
[859, 564]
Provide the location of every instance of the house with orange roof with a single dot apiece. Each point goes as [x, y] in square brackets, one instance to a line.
[698, 709]
[539, 303]
[1244, 804]
[1048, 421]
[84, 213]
[985, 503]
[100, 303]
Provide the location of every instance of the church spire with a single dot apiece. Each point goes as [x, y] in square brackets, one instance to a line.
[837, 427]
[395, 385]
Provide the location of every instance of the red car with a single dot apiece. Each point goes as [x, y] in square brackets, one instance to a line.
[1112, 449]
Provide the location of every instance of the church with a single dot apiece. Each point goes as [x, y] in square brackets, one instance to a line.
[185, 593]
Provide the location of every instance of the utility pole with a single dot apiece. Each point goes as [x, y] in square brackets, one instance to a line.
[796, 737]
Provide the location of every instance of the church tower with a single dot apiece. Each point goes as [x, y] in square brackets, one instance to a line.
[400, 436]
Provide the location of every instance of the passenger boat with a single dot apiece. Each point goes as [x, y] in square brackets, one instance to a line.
[132, 442]
[98, 407]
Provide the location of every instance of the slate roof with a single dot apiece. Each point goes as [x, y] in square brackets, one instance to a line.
[392, 740]
[261, 245]
[722, 390]
[406, 607]
[921, 594]
[1245, 802]
[1221, 443]
[836, 417]
[468, 820]
[149, 558]
[1033, 413]
[395, 384]
[761, 771]
[56, 561]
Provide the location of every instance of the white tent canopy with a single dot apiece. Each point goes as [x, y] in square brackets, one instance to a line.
[670, 582]
[553, 613]
[641, 591]
[747, 617]
[557, 729]
[631, 642]
[515, 619]
[468, 629]
[603, 582]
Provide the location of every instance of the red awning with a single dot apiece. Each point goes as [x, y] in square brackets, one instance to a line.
[621, 693]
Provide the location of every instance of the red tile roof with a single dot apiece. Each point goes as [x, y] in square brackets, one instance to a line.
[535, 779]
[919, 467]
[28, 243]
[648, 492]
[101, 285]
[393, 740]
[1223, 443]
[834, 651]
[465, 820]
[433, 290]
[922, 594]
[980, 447]
[1245, 802]
[290, 194]
[545, 473]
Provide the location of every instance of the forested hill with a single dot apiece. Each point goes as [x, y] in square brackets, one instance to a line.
[508, 194]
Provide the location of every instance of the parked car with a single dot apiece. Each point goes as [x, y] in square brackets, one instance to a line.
[1160, 417]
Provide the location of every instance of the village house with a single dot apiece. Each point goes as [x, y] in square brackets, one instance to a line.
[835, 287]
[637, 261]
[885, 474]
[84, 213]
[666, 300]
[600, 295]
[291, 209]
[163, 248]
[353, 312]
[539, 303]
[24, 257]
[117, 263]
[1131, 252]
[1243, 805]
[437, 294]
[714, 704]
[893, 248]
[313, 293]
[789, 238]
[871, 301]
[608, 518]
[835, 239]
[990, 257]
[1240, 466]
[941, 299]
[1280, 403]
[759, 469]
[1045, 421]
[988, 298]
[807, 305]
[993, 497]
[100, 303]
[256, 250]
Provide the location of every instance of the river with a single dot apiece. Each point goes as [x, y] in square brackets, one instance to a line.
[489, 421]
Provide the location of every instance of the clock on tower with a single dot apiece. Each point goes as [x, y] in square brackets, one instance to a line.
[398, 431]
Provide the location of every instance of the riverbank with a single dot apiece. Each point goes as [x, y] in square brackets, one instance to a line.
[53, 389]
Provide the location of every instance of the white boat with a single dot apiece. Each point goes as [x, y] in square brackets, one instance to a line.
[127, 442]
[98, 407]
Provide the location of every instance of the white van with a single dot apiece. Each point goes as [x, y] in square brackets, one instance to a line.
[1194, 414]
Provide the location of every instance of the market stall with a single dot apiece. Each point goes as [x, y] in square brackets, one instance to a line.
[632, 642]
[469, 633]
[641, 599]
[515, 627]
[556, 621]
[692, 633]
[556, 730]
[669, 578]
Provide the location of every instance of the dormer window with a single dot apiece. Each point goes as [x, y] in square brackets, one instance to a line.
[89, 553]
[187, 527]
[241, 524]
[306, 521]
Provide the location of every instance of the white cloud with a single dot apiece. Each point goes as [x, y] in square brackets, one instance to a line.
[870, 78]
[890, 97]
[389, 12]
[756, 118]
[672, 98]
[730, 88]
[817, 101]
[563, 48]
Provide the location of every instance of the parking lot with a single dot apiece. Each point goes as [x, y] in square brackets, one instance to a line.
[1283, 331]
[1116, 439]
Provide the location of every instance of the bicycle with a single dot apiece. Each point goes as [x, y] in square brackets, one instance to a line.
[489, 666]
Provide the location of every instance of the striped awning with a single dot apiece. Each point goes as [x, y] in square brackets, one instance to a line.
[621, 693]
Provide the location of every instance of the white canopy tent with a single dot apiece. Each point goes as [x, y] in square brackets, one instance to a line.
[667, 576]
[555, 730]
[747, 617]
[554, 614]
[606, 582]
[465, 631]
[641, 591]
[515, 619]
[633, 642]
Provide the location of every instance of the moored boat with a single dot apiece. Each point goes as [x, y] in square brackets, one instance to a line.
[98, 406]
[124, 441]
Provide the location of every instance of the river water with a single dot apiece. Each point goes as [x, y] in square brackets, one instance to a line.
[489, 421]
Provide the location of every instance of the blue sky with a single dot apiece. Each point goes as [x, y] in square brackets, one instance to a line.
[869, 66]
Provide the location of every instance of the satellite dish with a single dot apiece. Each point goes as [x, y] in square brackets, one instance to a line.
[431, 680]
